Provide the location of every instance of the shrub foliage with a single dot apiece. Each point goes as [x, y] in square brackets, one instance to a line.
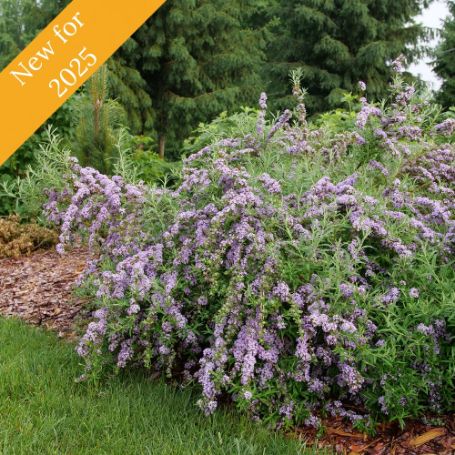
[298, 269]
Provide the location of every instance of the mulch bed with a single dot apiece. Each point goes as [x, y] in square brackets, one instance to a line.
[416, 438]
[39, 289]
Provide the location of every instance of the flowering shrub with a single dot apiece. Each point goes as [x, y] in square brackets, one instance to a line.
[297, 270]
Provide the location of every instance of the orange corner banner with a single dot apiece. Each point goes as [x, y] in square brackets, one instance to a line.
[63, 56]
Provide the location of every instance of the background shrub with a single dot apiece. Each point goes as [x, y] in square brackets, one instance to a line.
[17, 239]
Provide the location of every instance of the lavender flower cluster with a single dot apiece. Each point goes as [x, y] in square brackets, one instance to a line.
[260, 288]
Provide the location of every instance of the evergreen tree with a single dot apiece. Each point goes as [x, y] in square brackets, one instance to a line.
[98, 119]
[129, 88]
[339, 42]
[198, 60]
[445, 60]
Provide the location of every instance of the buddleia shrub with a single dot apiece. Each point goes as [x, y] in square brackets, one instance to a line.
[296, 270]
[26, 195]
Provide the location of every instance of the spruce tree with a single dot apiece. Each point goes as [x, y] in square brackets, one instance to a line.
[339, 42]
[198, 60]
[445, 60]
[129, 88]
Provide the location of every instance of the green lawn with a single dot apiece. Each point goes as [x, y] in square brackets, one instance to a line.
[44, 411]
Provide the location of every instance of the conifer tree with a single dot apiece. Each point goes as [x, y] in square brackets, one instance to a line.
[98, 119]
[445, 60]
[198, 60]
[339, 42]
[128, 87]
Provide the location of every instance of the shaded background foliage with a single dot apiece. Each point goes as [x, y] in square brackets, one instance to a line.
[445, 60]
[338, 43]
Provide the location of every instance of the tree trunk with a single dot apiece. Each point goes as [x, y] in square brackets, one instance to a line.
[162, 145]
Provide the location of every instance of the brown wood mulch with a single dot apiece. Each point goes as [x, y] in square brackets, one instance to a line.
[39, 289]
[416, 438]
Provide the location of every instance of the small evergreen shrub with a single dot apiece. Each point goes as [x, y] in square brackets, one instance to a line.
[18, 239]
[297, 269]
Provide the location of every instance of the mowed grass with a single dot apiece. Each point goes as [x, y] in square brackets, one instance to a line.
[44, 411]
